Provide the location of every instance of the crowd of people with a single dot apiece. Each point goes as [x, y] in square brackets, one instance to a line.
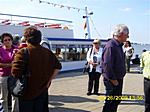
[43, 65]
[111, 62]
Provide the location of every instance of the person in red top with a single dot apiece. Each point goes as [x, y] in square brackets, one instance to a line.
[22, 43]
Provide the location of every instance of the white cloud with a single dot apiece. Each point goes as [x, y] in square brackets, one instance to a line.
[127, 9]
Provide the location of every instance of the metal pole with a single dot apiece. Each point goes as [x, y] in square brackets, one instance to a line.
[87, 23]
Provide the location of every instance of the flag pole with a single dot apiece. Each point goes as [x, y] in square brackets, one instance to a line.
[87, 34]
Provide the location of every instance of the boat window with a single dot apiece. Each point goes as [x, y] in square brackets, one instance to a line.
[73, 52]
[70, 52]
[59, 51]
[84, 49]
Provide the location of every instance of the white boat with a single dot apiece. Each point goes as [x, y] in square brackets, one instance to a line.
[55, 28]
[70, 51]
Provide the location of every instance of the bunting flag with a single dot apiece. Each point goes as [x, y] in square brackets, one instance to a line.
[39, 24]
[5, 21]
[61, 6]
[24, 23]
[85, 26]
[54, 26]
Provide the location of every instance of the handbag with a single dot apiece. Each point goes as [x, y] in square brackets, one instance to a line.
[17, 86]
[87, 65]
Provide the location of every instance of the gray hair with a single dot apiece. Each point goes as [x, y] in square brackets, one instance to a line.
[119, 29]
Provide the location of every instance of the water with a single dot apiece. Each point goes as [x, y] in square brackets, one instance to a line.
[138, 48]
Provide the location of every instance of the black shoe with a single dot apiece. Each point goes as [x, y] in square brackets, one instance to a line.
[96, 94]
[89, 93]
[9, 108]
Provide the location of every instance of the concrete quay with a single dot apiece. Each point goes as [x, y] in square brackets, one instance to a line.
[68, 93]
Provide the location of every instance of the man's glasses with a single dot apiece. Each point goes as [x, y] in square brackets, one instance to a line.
[126, 35]
[5, 40]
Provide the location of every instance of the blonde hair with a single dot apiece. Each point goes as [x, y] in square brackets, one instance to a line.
[97, 41]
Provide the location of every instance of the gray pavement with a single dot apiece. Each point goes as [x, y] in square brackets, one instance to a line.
[68, 93]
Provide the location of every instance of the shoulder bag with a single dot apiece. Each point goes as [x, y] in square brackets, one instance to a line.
[17, 86]
[87, 65]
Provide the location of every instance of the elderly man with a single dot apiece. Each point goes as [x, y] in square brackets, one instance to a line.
[113, 67]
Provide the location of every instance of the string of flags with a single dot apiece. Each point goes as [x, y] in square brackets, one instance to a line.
[70, 7]
[28, 23]
[61, 6]
[64, 6]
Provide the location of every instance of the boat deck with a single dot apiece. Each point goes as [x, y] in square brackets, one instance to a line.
[68, 93]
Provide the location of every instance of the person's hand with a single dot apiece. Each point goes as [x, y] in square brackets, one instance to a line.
[6, 65]
[90, 62]
[114, 82]
[48, 84]
[94, 64]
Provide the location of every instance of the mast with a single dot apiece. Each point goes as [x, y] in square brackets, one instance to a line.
[88, 34]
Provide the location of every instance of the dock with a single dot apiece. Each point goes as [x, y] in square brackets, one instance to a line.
[68, 93]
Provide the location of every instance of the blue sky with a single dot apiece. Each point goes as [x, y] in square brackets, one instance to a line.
[107, 13]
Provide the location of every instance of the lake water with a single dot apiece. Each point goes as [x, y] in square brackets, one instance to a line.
[138, 48]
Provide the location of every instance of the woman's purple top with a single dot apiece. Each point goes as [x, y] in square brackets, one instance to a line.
[6, 56]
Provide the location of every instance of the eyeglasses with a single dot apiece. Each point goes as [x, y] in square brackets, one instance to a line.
[7, 40]
[95, 43]
[126, 35]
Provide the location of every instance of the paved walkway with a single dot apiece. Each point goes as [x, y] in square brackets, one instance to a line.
[68, 94]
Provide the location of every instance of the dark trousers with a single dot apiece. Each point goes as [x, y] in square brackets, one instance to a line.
[9, 98]
[147, 94]
[111, 105]
[93, 81]
[128, 59]
[38, 104]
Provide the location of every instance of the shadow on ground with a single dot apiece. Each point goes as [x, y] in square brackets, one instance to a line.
[70, 74]
[62, 109]
[135, 72]
[57, 99]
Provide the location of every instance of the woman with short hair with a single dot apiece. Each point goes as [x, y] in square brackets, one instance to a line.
[7, 52]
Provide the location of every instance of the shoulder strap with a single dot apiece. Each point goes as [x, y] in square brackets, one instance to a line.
[91, 51]
[26, 55]
[26, 60]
